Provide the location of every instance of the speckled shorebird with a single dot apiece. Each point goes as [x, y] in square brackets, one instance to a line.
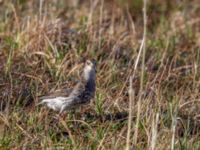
[81, 94]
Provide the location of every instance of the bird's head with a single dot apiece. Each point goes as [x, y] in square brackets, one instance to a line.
[89, 71]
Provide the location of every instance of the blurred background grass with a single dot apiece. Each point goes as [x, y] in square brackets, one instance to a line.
[42, 44]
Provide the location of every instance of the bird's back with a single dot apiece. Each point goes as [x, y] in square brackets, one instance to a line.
[81, 94]
[57, 93]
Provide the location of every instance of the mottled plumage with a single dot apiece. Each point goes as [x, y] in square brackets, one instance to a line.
[82, 93]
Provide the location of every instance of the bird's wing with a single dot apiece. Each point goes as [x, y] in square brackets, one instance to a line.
[78, 90]
[57, 93]
[75, 97]
[80, 94]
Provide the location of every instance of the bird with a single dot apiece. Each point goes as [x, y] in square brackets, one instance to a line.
[81, 94]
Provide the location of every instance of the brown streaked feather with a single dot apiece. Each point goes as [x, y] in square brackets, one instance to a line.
[80, 87]
[59, 92]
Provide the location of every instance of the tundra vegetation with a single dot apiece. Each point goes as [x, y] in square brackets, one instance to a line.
[148, 78]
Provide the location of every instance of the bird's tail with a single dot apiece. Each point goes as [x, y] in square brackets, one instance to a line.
[40, 103]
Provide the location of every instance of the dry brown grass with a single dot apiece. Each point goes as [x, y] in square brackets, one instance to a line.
[42, 44]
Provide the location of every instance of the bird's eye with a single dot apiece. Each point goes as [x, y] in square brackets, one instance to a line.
[88, 63]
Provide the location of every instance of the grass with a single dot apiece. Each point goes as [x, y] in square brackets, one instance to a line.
[42, 45]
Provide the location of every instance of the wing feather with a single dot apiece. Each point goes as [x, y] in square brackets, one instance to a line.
[57, 93]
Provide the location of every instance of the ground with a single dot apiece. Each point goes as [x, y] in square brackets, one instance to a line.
[154, 104]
